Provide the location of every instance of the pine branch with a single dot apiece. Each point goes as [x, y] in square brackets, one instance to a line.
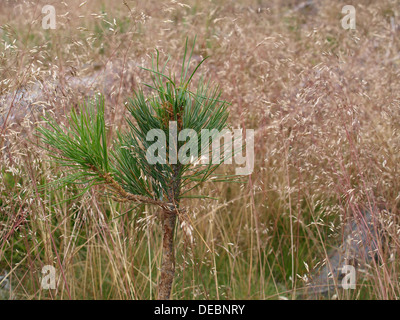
[126, 196]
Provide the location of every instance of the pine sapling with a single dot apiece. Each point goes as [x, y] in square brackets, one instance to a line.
[148, 163]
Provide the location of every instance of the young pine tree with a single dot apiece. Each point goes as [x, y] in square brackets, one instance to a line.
[133, 170]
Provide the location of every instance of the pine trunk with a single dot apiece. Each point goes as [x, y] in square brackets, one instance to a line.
[168, 257]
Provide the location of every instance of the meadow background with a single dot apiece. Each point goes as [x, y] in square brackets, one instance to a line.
[325, 106]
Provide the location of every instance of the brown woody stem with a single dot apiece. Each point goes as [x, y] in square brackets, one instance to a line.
[168, 257]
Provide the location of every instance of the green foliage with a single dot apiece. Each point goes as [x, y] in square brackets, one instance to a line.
[82, 146]
[173, 101]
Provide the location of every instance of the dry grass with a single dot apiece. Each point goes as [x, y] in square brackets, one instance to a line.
[325, 104]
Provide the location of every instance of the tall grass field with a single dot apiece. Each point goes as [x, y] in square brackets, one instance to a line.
[323, 101]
